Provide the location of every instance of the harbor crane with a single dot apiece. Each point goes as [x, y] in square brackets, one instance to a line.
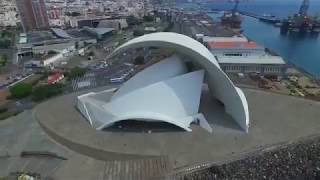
[233, 19]
[236, 5]
[304, 8]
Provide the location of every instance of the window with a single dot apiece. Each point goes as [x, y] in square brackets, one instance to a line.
[232, 54]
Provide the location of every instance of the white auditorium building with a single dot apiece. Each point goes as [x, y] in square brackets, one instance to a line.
[168, 91]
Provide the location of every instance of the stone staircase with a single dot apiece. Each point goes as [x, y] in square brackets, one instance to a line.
[142, 169]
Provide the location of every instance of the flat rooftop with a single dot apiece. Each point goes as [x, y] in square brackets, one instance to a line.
[225, 39]
[23, 40]
[60, 33]
[56, 36]
[99, 31]
[263, 60]
[39, 36]
[36, 37]
[77, 33]
[90, 17]
[233, 45]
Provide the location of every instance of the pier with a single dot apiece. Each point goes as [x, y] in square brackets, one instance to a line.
[267, 19]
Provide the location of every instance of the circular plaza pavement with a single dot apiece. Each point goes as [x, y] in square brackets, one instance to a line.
[274, 119]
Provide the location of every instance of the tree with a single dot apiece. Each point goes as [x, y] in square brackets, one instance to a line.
[169, 27]
[76, 44]
[148, 18]
[21, 90]
[5, 57]
[51, 52]
[91, 53]
[5, 43]
[46, 91]
[3, 109]
[138, 32]
[139, 60]
[132, 21]
[72, 14]
[76, 72]
[3, 60]
[75, 14]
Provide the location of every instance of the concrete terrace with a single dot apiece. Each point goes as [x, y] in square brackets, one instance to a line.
[275, 119]
[23, 133]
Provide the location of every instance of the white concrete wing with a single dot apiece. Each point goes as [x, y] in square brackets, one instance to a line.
[221, 87]
[165, 69]
[163, 92]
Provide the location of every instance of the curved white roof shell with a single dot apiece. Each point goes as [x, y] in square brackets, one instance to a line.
[221, 87]
[166, 91]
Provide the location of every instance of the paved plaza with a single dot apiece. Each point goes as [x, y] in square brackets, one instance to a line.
[275, 119]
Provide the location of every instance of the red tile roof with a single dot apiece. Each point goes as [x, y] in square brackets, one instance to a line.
[233, 45]
[55, 78]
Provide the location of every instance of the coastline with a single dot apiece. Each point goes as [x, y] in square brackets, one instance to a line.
[290, 63]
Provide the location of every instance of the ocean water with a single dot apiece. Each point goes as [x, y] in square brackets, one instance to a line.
[300, 51]
[280, 8]
[303, 52]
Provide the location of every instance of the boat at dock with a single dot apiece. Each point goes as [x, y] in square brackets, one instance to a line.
[279, 24]
[269, 19]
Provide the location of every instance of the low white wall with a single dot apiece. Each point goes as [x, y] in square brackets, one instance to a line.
[58, 57]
